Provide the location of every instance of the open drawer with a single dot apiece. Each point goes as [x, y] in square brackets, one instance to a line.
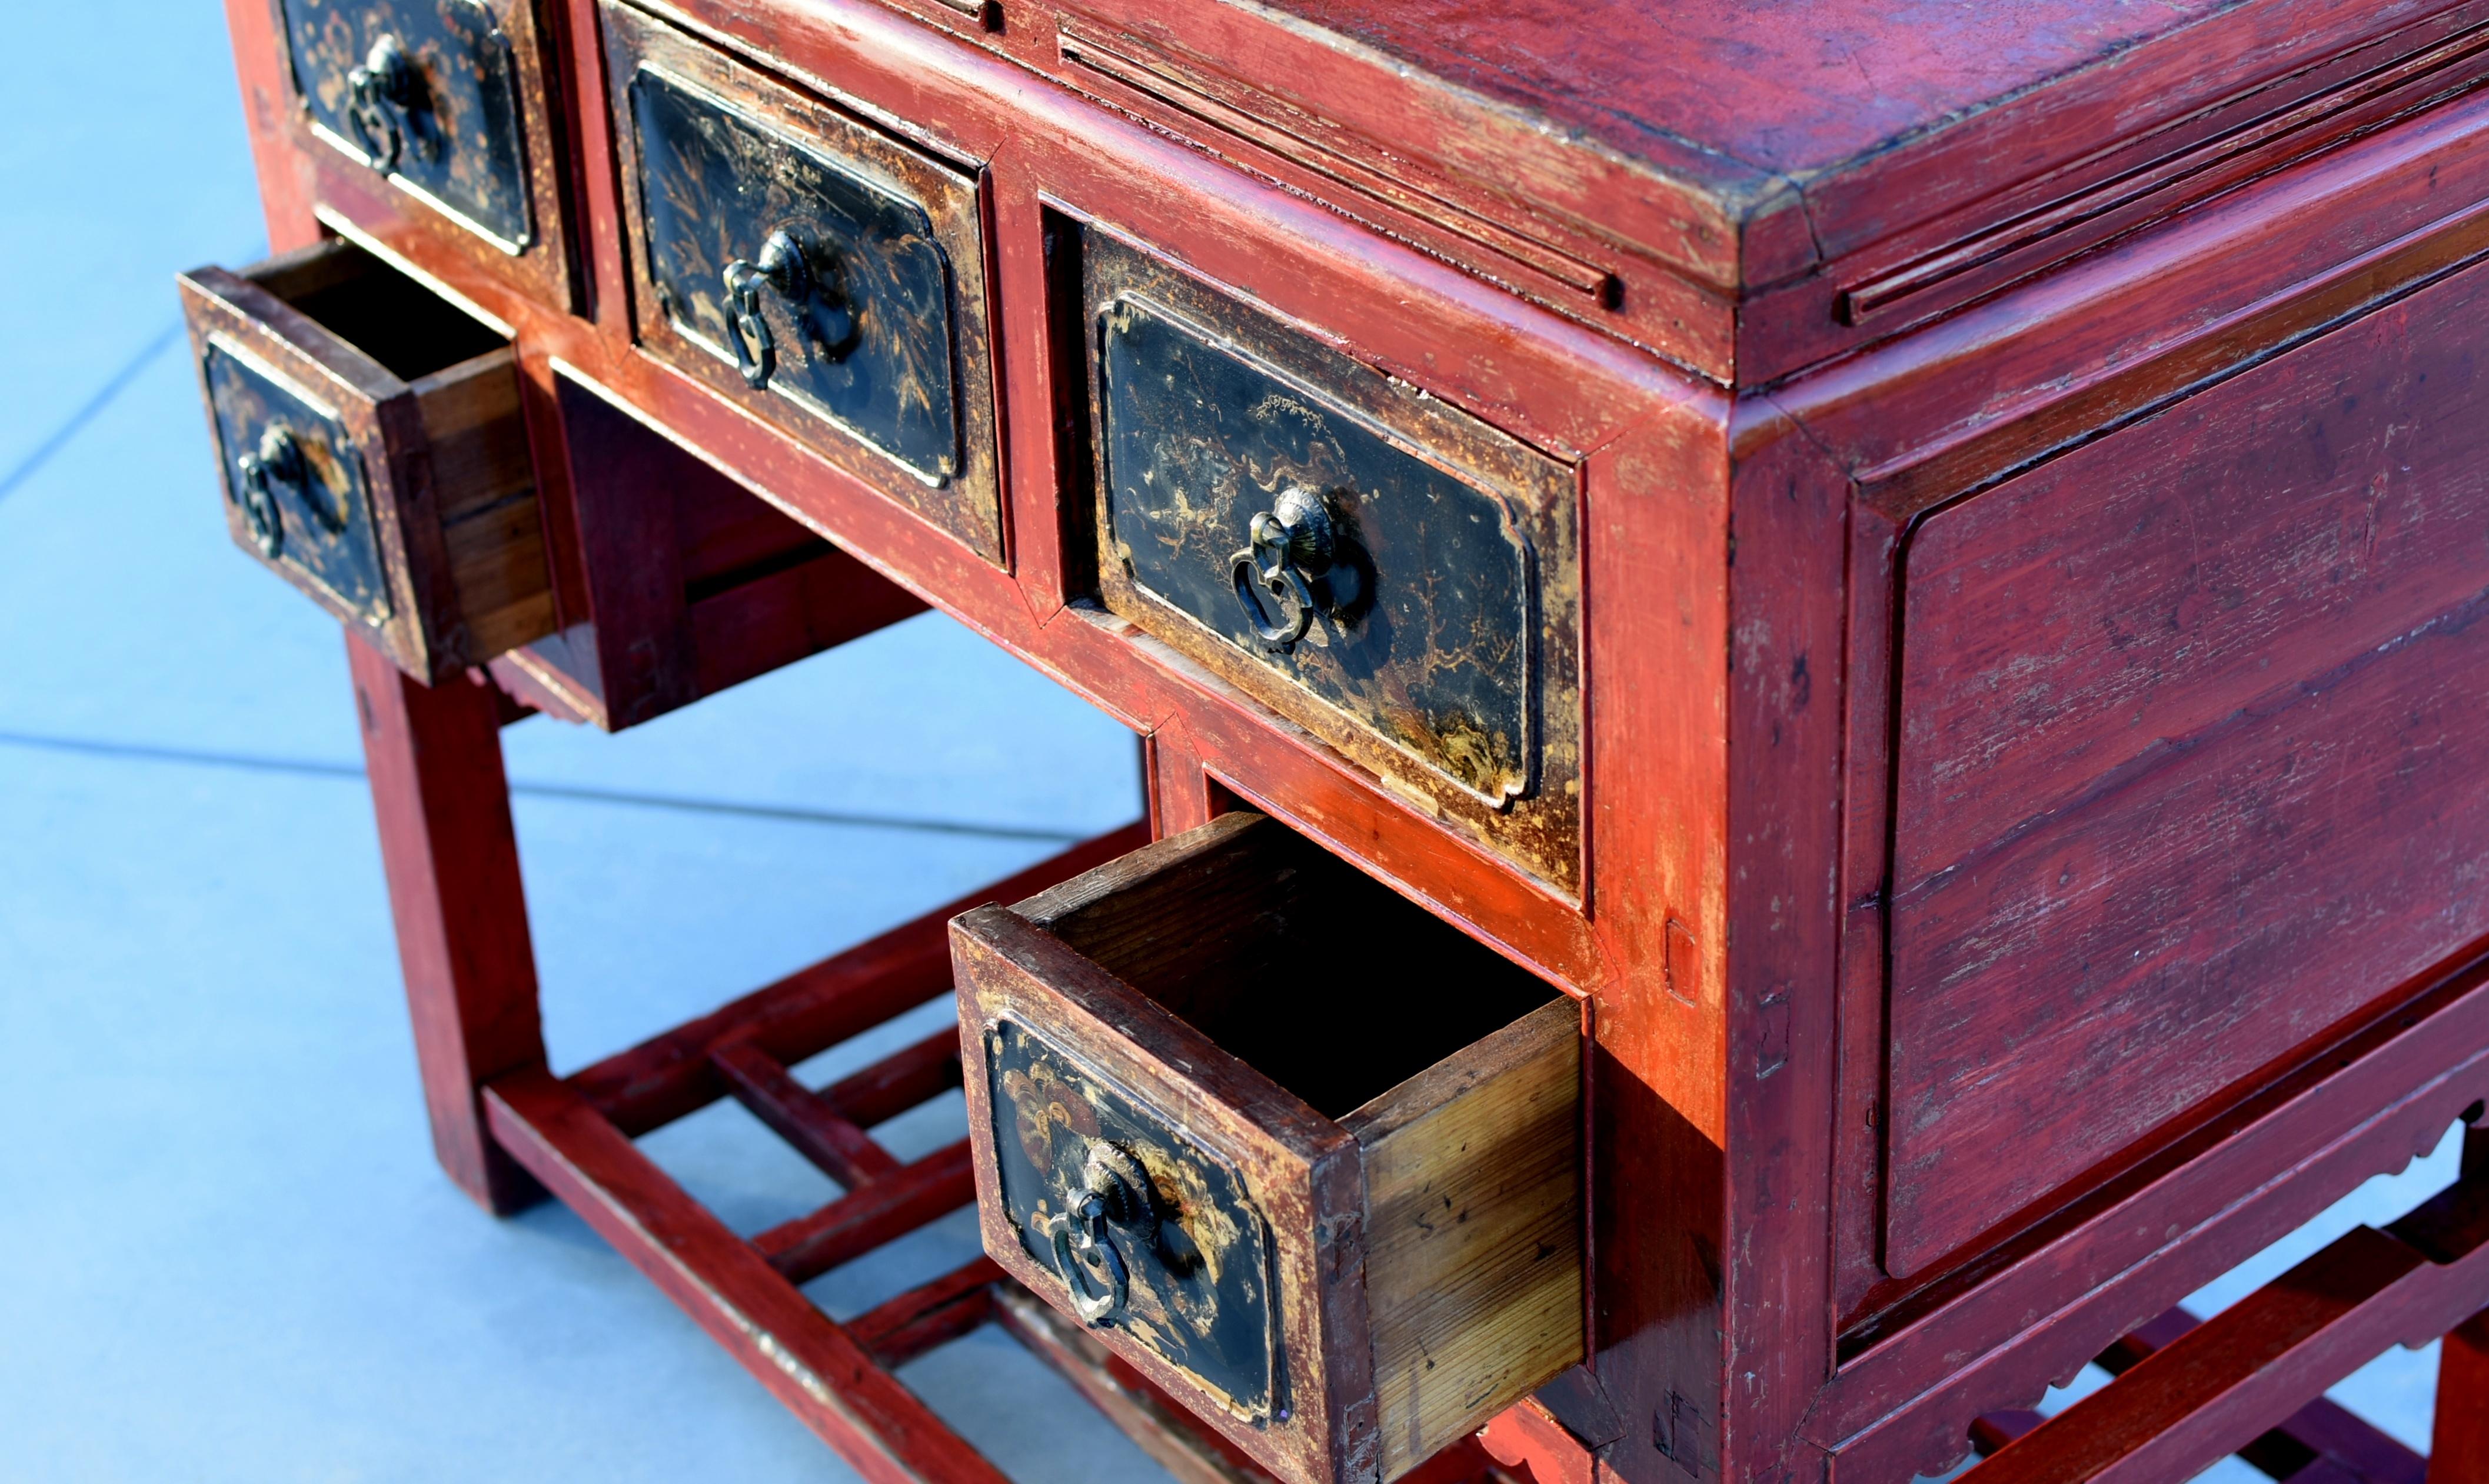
[372, 449]
[1304, 1155]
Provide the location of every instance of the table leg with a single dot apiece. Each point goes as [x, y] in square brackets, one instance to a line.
[433, 755]
[2459, 1451]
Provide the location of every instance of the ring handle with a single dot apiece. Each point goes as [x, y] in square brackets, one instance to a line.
[1085, 1255]
[1115, 1204]
[384, 96]
[1288, 587]
[792, 267]
[278, 459]
[1291, 543]
[755, 347]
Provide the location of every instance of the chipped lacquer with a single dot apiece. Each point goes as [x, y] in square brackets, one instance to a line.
[1391, 573]
[815, 270]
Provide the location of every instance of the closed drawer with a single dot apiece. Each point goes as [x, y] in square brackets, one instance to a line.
[445, 98]
[1386, 571]
[369, 438]
[822, 274]
[1305, 1156]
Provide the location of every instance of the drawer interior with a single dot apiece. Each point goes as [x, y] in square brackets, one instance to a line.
[396, 320]
[1300, 966]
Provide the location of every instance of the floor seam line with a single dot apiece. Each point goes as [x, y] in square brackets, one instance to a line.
[316, 768]
[104, 396]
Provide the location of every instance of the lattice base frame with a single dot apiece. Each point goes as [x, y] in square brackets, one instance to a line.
[574, 1135]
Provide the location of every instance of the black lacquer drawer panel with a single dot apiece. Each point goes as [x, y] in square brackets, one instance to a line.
[824, 275]
[431, 92]
[295, 479]
[1392, 574]
[1201, 1300]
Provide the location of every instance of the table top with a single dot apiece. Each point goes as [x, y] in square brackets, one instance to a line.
[1751, 141]
[1790, 86]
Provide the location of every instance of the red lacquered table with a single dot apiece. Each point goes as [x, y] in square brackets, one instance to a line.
[1844, 634]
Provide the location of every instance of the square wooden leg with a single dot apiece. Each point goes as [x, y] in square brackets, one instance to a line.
[2458, 1450]
[433, 755]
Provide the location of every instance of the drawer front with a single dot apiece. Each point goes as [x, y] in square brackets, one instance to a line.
[1082, 1162]
[1336, 1214]
[2191, 763]
[1397, 577]
[373, 453]
[427, 91]
[295, 488]
[821, 274]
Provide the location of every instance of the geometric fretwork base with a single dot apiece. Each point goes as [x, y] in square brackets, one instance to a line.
[575, 1135]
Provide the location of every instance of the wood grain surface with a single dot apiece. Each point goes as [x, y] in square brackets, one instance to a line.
[1473, 1232]
[2188, 750]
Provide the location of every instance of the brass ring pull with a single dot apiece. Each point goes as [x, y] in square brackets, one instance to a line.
[1114, 1206]
[278, 459]
[1292, 542]
[384, 97]
[790, 266]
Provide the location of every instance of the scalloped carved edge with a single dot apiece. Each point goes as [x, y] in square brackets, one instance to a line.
[2019, 1381]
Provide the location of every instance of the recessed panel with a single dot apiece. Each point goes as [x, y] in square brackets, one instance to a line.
[1399, 577]
[815, 270]
[2190, 759]
[869, 346]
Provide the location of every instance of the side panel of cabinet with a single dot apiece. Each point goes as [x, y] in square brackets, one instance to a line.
[2192, 761]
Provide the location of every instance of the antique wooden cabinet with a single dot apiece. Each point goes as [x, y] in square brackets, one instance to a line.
[1809, 674]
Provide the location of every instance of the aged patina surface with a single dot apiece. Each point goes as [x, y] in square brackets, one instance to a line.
[1421, 619]
[868, 341]
[2014, 471]
[1188, 1274]
[1289, 516]
[822, 275]
[426, 91]
[308, 512]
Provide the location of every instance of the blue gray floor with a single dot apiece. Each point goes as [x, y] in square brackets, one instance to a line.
[224, 1251]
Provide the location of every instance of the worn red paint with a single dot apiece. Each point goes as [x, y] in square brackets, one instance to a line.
[1792, 1276]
